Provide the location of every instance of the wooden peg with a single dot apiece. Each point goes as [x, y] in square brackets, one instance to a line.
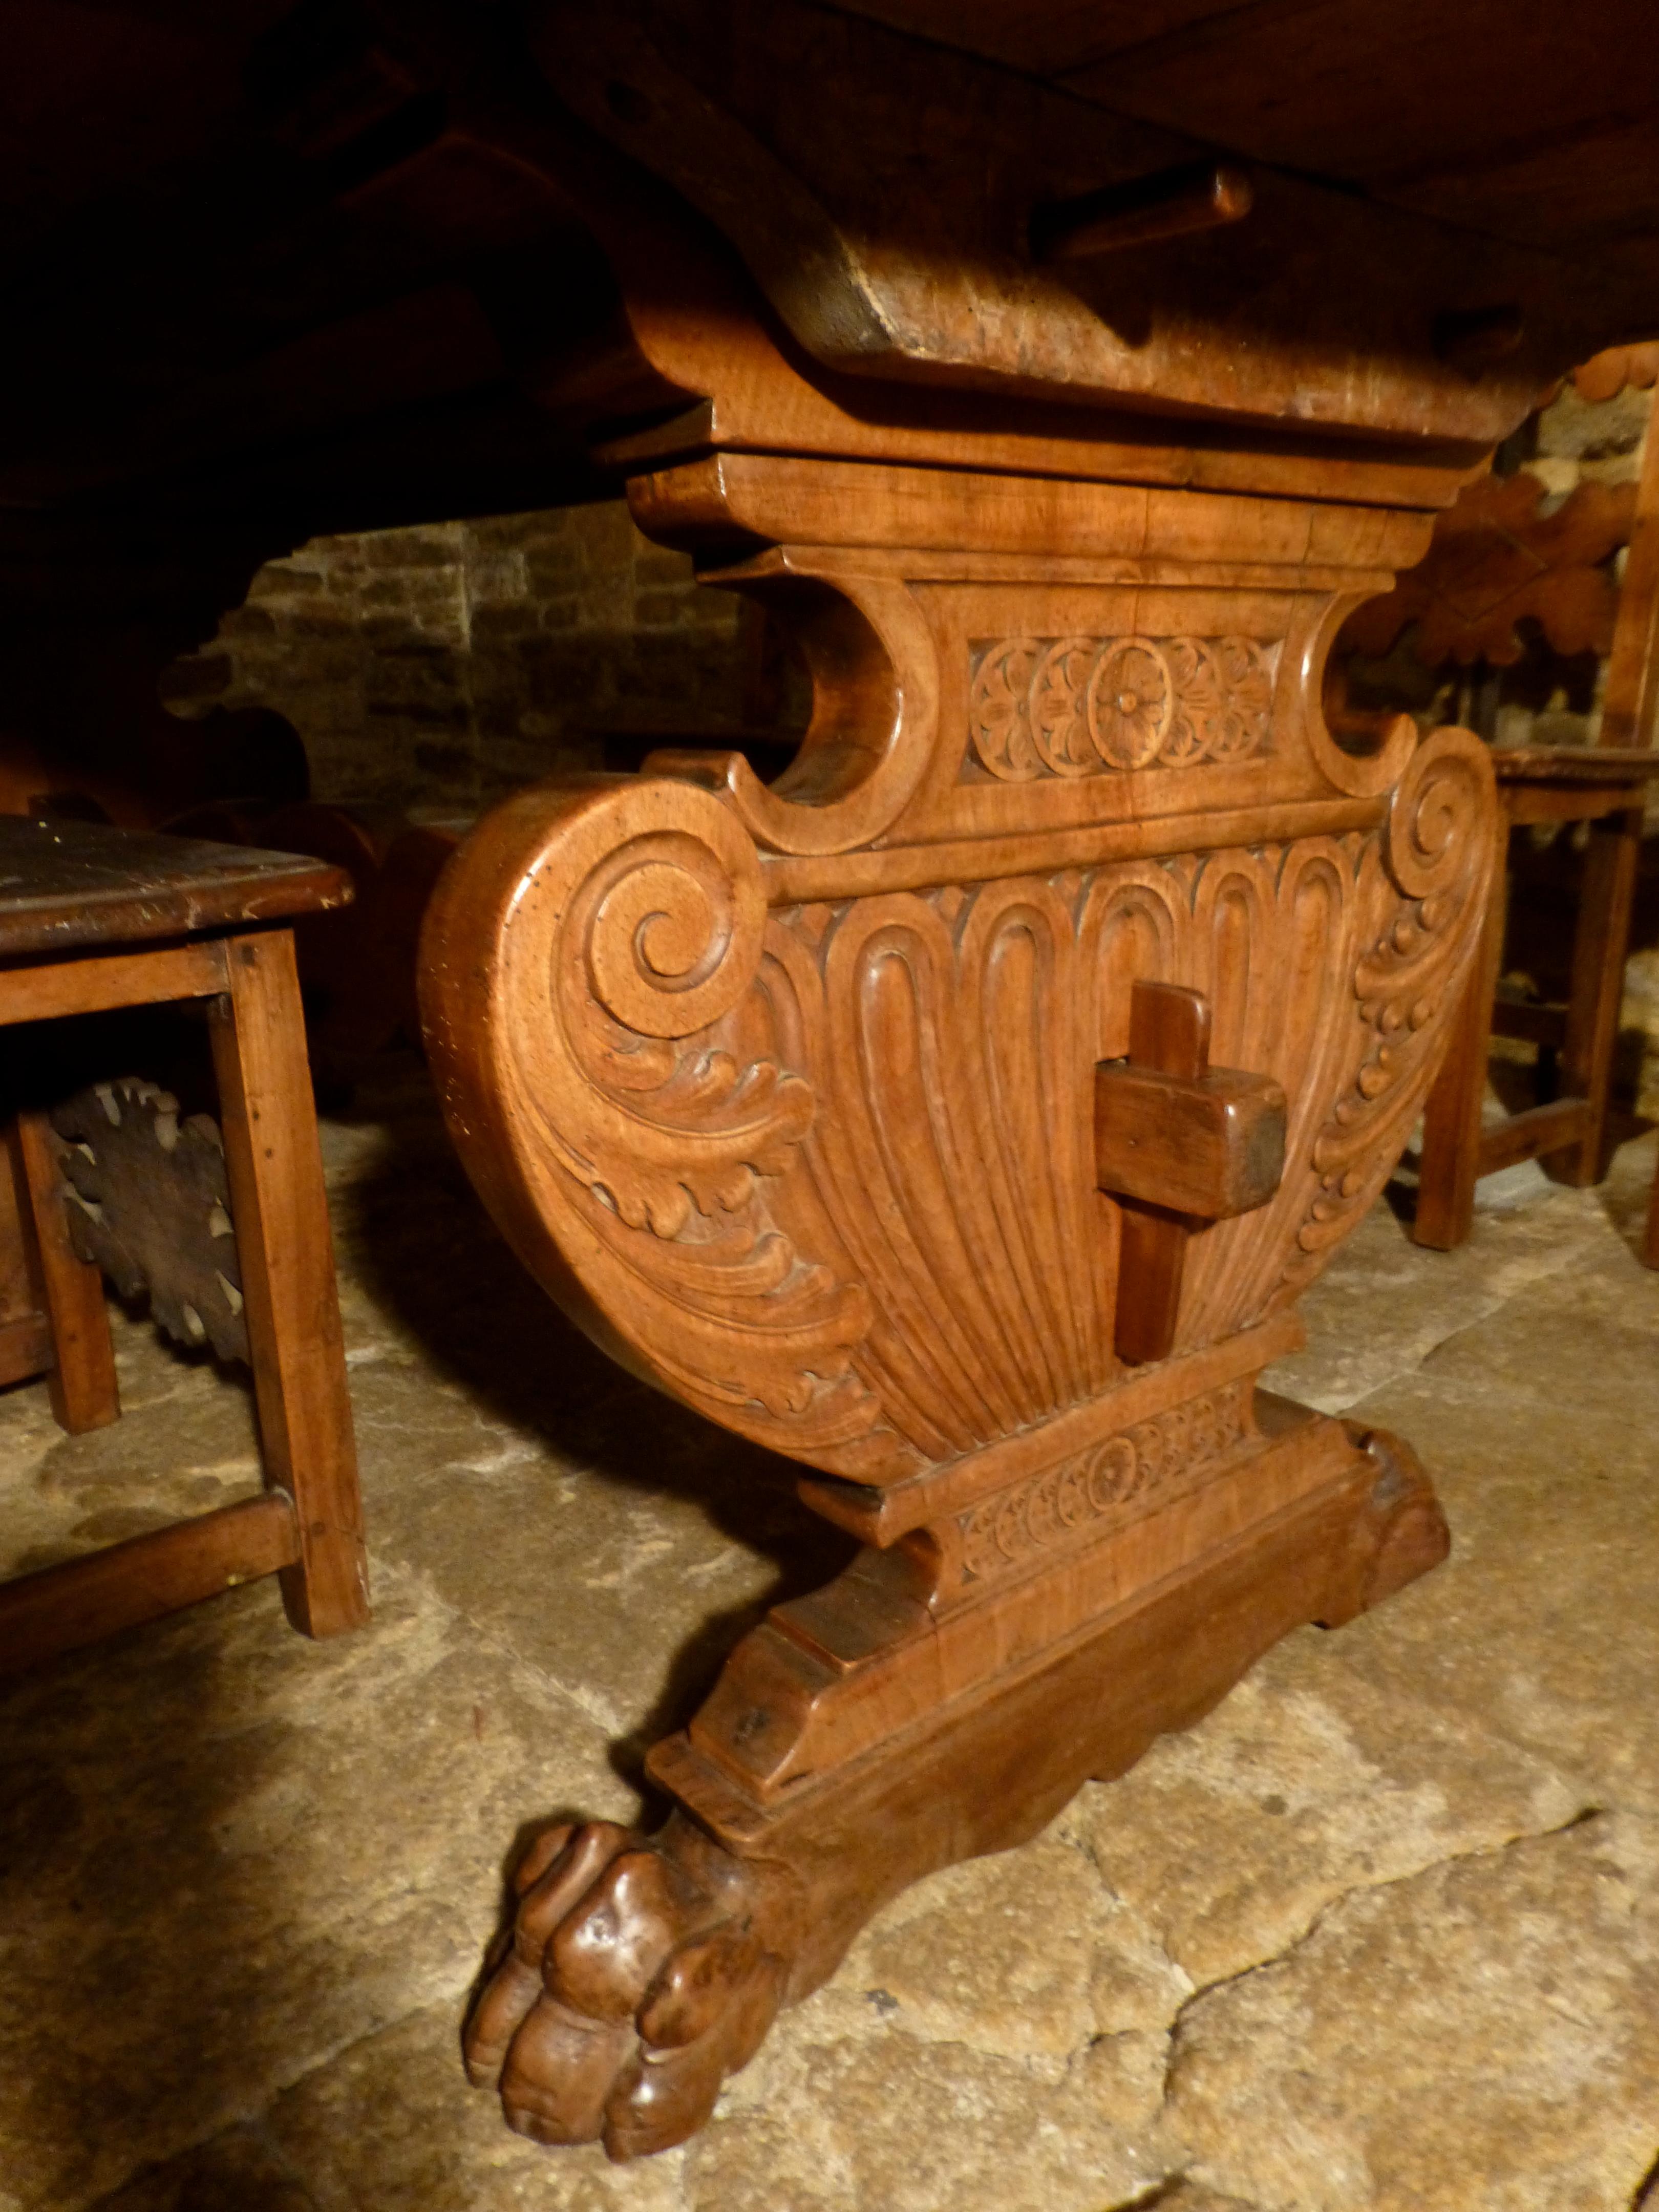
[1178, 1143]
[1204, 196]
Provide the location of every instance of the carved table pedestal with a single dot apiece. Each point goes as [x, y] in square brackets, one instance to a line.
[841, 1111]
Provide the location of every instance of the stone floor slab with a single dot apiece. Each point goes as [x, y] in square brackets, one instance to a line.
[1378, 1933]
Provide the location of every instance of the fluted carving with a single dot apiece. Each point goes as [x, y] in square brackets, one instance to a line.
[828, 1173]
[787, 1092]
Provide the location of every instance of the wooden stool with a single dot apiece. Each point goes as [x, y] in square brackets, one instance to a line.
[92, 919]
[1604, 786]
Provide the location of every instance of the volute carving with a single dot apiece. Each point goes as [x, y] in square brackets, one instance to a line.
[626, 923]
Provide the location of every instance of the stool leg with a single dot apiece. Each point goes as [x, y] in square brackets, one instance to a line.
[1598, 990]
[67, 1290]
[1450, 1163]
[286, 1258]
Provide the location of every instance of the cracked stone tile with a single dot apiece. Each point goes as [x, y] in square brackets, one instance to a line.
[225, 1852]
[886, 2118]
[392, 2126]
[1021, 1956]
[1542, 1625]
[240, 2170]
[1307, 1782]
[1191, 2196]
[628, 1590]
[1512, 1999]
[186, 1444]
[255, 1876]
[1386, 1306]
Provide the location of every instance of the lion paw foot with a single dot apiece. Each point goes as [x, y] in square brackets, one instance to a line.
[635, 1983]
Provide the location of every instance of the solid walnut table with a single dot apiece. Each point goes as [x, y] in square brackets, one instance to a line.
[962, 1114]
[92, 919]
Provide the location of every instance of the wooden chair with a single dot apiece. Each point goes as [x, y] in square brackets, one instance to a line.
[94, 919]
[1498, 557]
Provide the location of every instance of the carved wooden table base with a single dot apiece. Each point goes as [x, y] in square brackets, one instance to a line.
[789, 1095]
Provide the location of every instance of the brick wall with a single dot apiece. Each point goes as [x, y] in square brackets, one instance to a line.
[438, 667]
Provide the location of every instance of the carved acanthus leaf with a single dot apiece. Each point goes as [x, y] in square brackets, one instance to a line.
[1407, 981]
[643, 1134]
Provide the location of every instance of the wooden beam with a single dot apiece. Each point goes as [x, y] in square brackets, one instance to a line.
[1540, 1130]
[38, 993]
[82, 1601]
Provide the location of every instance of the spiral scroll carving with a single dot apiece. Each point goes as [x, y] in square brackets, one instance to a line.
[627, 920]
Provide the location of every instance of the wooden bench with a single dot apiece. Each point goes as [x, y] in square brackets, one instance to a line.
[91, 920]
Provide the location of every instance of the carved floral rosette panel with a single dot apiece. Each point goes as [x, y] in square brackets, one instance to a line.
[1086, 706]
[825, 1172]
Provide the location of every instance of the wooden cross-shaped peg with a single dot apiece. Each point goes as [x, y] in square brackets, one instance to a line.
[1179, 1145]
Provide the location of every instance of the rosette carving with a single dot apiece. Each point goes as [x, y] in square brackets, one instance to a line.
[1059, 707]
[1087, 706]
[1070, 1501]
[1002, 710]
[1132, 699]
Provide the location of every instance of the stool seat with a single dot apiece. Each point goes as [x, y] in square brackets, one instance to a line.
[1581, 764]
[67, 884]
[93, 919]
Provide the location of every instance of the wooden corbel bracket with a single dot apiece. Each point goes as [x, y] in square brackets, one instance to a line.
[1178, 1144]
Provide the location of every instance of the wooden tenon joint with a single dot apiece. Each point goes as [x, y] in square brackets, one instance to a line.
[1178, 1144]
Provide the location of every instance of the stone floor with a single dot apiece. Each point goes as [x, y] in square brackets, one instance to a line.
[1383, 1932]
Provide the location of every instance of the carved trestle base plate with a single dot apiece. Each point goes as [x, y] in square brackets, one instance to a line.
[974, 1598]
[840, 1693]
[643, 1971]
[972, 1735]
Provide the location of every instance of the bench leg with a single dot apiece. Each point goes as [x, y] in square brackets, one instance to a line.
[66, 1289]
[286, 1258]
[1450, 1164]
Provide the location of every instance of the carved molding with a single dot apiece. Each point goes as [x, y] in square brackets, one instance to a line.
[1067, 1503]
[1092, 706]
